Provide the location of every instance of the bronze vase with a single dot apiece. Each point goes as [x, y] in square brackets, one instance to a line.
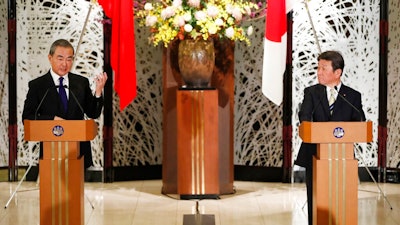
[196, 60]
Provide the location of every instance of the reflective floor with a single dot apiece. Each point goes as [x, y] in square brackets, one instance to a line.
[254, 203]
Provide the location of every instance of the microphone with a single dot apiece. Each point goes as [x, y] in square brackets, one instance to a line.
[316, 107]
[349, 103]
[42, 100]
[77, 102]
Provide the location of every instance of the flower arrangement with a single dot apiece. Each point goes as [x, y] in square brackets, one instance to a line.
[195, 19]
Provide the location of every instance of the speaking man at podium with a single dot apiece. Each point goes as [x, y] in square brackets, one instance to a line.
[329, 100]
[62, 95]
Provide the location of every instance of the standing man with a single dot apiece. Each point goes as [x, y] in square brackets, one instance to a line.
[62, 95]
[322, 103]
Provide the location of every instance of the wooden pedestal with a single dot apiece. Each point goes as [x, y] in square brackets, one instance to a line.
[223, 81]
[197, 142]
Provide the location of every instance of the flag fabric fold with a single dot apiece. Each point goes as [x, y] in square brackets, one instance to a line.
[274, 61]
[123, 52]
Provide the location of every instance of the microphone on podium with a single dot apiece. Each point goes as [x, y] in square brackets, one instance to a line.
[316, 107]
[349, 103]
[43, 98]
[77, 102]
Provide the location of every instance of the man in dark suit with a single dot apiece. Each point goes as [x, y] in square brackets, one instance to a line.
[321, 103]
[43, 101]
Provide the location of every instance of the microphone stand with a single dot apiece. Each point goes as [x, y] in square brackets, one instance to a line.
[19, 183]
[373, 179]
[358, 150]
[30, 164]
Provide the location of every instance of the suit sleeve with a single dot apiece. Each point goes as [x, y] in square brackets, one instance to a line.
[305, 113]
[358, 104]
[94, 105]
[33, 98]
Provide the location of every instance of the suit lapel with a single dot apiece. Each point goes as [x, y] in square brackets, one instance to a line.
[340, 103]
[53, 95]
[325, 103]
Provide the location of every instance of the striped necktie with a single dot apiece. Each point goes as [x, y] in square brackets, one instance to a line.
[332, 100]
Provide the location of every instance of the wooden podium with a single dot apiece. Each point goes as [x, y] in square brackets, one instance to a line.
[61, 168]
[335, 171]
[197, 142]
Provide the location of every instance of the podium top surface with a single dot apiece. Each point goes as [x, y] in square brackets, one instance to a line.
[335, 132]
[60, 130]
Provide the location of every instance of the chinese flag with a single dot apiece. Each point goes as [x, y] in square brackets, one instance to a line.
[123, 53]
[274, 61]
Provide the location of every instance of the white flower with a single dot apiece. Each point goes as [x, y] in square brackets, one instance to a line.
[229, 32]
[177, 3]
[179, 21]
[167, 12]
[237, 14]
[248, 10]
[194, 3]
[219, 22]
[249, 30]
[151, 20]
[212, 29]
[188, 28]
[187, 16]
[200, 15]
[148, 6]
[212, 11]
[229, 8]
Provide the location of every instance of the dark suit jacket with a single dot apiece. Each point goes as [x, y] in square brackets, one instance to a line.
[315, 108]
[44, 89]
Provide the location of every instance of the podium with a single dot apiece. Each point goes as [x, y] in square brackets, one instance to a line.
[61, 169]
[335, 171]
[197, 143]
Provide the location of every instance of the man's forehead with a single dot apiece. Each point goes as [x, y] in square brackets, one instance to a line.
[324, 63]
[63, 51]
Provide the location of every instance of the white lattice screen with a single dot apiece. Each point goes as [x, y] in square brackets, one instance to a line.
[39, 23]
[3, 86]
[349, 26]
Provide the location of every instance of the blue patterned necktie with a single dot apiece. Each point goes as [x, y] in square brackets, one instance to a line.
[63, 95]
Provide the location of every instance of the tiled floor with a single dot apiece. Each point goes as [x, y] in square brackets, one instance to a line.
[141, 203]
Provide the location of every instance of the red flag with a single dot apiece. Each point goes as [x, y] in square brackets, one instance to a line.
[123, 53]
[274, 61]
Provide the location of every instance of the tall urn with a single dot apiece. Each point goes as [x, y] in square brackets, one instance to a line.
[196, 59]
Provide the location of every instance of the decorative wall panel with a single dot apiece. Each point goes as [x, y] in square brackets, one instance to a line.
[257, 121]
[351, 27]
[138, 129]
[3, 85]
[393, 143]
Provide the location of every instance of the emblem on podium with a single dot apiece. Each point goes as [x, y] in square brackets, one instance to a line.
[58, 130]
